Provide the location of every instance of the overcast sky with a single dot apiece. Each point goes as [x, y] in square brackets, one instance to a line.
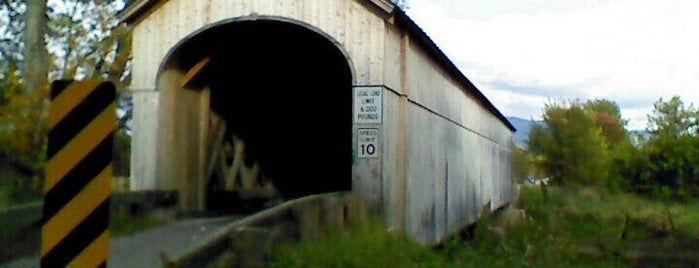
[523, 53]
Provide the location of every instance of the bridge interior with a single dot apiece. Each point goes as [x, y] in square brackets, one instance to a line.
[286, 92]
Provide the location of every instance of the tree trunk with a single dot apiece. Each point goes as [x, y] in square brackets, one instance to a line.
[35, 71]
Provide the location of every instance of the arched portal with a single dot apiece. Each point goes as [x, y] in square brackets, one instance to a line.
[264, 102]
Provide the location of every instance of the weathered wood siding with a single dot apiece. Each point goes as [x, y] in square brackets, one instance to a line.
[444, 156]
[353, 25]
[456, 152]
[143, 151]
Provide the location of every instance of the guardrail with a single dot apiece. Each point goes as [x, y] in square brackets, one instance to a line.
[299, 219]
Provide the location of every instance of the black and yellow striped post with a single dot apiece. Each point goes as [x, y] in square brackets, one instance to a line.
[78, 174]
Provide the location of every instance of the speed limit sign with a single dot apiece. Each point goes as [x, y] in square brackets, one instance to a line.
[368, 142]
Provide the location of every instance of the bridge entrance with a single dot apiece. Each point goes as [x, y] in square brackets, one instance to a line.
[268, 106]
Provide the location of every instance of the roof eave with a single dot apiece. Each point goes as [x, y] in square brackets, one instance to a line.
[138, 10]
[424, 40]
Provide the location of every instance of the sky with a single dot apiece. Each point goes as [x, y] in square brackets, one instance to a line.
[523, 54]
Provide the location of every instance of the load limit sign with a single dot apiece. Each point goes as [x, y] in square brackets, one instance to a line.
[368, 103]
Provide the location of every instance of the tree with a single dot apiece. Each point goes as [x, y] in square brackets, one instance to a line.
[672, 151]
[521, 166]
[35, 70]
[85, 41]
[570, 145]
[608, 119]
[620, 151]
[22, 128]
[672, 119]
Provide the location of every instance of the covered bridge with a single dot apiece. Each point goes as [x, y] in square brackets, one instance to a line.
[269, 98]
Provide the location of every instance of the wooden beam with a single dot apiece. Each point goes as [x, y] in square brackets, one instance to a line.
[194, 71]
[216, 135]
[239, 149]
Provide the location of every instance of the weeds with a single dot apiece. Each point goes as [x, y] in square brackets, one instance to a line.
[360, 245]
[575, 227]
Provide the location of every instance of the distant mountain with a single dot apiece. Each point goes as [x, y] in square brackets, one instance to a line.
[523, 127]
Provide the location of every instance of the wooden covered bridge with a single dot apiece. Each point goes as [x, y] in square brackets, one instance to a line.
[284, 98]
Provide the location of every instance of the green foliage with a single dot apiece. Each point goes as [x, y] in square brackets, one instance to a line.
[625, 162]
[571, 144]
[605, 106]
[23, 189]
[667, 165]
[589, 144]
[121, 154]
[608, 119]
[22, 125]
[88, 42]
[672, 119]
[84, 40]
[361, 245]
[530, 244]
[576, 227]
[521, 165]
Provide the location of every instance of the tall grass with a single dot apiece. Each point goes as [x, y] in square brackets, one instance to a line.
[365, 244]
[573, 227]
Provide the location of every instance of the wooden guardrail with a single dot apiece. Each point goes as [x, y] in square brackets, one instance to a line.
[299, 219]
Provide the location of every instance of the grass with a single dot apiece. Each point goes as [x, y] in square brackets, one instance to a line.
[4, 199]
[360, 245]
[609, 210]
[121, 223]
[9, 193]
[574, 227]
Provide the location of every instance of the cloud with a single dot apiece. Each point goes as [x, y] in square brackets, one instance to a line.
[517, 104]
[632, 52]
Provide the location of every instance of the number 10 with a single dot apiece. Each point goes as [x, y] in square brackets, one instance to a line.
[368, 149]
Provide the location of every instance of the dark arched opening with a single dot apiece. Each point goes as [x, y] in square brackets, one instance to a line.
[287, 92]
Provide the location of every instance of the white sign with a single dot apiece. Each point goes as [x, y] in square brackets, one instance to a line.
[368, 102]
[368, 142]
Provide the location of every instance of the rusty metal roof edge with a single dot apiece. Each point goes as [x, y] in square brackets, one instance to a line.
[140, 8]
[426, 42]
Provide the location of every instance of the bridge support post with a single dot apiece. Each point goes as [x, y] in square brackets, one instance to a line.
[182, 138]
[309, 221]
